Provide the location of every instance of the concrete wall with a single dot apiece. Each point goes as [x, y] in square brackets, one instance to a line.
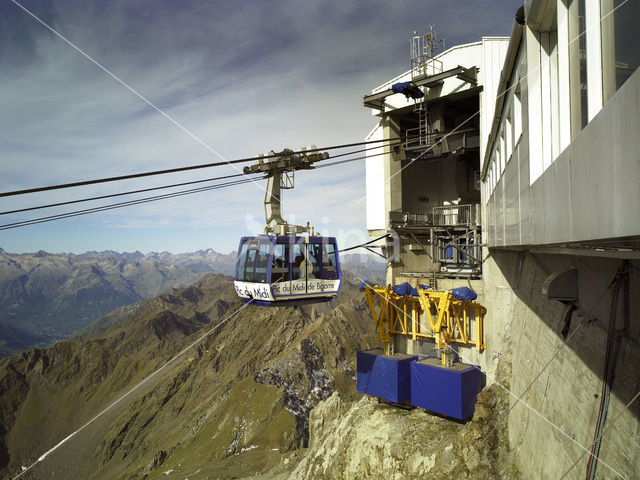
[533, 196]
[558, 412]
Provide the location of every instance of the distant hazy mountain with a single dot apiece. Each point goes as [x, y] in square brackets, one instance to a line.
[47, 297]
[364, 266]
[201, 261]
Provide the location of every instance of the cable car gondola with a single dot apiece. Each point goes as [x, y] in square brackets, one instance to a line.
[283, 267]
[287, 270]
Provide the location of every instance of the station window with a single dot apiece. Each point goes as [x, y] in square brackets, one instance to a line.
[620, 41]
[582, 56]
[517, 113]
[508, 134]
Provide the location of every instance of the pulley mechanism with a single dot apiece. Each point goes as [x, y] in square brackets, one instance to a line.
[279, 169]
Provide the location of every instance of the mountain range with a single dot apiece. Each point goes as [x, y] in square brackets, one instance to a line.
[233, 403]
[195, 384]
[48, 297]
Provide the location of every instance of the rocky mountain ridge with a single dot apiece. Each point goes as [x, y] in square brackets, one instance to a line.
[256, 393]
[47, 297]
[245, 391]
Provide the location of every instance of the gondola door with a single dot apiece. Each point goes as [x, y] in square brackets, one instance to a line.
[300, 268]
[281, 270]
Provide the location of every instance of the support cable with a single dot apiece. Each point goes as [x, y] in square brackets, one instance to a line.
[112, 195]
[131, 192]
[135, 387]
[363, 245]
[181, 169]
[76, 213]
[611, 354]
[609, 427]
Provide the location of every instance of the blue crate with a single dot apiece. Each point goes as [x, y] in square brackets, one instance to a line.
[450, 391]
[383, 376]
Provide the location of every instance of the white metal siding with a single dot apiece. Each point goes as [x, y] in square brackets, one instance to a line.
[375, 184]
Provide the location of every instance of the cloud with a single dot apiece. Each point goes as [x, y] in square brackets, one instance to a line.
[245, 77]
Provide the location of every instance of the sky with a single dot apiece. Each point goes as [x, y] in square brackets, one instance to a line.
[240, 77]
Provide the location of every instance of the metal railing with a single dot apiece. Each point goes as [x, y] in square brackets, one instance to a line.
[457, 214]
[409, 219]
[441, 142]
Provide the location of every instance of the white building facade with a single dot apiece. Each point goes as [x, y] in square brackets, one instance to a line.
[561, 219]
[550, 119]
[430, 177]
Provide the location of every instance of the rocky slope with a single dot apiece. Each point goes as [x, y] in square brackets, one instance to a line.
[269, 393]
[230, 406]
[365, 439]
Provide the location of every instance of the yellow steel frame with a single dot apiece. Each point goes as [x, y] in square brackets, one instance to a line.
[434, 315]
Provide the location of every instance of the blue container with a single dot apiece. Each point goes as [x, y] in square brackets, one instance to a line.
[384, 376]
[450, 391]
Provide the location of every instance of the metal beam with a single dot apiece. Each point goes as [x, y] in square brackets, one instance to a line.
[468, 75]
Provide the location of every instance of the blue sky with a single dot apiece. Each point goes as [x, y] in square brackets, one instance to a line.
[245, 77]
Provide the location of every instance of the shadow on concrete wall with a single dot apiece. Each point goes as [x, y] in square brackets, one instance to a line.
[526, 272]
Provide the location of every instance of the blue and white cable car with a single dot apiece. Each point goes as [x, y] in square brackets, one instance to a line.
[275, 270]
[282, 267]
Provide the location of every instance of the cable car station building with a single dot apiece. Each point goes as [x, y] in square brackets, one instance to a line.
[538, 195]
[426, 186]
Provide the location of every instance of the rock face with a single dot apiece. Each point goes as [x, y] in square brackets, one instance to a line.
[305, 380]
[365, 439]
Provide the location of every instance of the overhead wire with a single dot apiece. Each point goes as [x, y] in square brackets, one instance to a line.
[102, 208]
[121, 204]
[363, 245]
[182, 169]
[112, 195]
[132, 192]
